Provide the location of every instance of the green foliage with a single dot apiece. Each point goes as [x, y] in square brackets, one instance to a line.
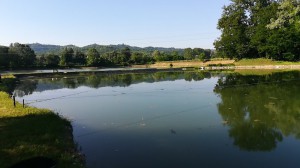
[41, 60]
[157, 56]
[52, 60]
[175, 56]
[95, 55]
[118, 52]
[92, 57]
[21, 55]
[8, 85]
[102, 49]
[233, 42]
[79, 58]
[4, 57]
[140, 58]
[29, 132]
[125, 54]
[188, 54]
[288, 14]
[196, 53]
[201, 56]
[248, 33]
[66, 56]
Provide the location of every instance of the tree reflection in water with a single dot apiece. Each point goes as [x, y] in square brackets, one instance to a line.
[94, 80]
[260, 110]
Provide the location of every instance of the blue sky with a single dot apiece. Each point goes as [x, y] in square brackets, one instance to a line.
[158, 23]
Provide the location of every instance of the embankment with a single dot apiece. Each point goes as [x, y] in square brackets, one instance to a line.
[31, 132]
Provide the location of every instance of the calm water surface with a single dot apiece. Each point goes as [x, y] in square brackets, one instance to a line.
[177, 119]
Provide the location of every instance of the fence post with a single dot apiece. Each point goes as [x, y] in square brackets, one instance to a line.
[14, 99]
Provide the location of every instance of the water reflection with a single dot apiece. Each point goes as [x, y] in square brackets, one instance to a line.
[194, 119]
[260, 110]
[95, 80]
[8, 85]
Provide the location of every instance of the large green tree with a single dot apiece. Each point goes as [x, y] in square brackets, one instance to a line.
[261, 13]
[92, 57]
[52, 60]
[124, 56]
[139, 58]
[66, 56]
[234, 42]
[79, 58]
[288, 14]
[21, 55]
[286, 24]
[4, 57]
[157, 55]
[260, 28]
[188, 54]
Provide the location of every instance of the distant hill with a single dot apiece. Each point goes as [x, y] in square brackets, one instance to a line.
[44, 48]
[56, 49]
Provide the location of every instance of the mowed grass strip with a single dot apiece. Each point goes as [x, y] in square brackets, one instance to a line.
[263, 61]
[217, 62]
[31, 132]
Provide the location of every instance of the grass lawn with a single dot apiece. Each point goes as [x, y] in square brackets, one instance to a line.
[30, 132]
[263, 61]
[216, 62]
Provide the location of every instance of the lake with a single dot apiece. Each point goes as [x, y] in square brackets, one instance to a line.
[184, 119]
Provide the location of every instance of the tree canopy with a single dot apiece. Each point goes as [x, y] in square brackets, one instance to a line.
[260, 28]
[18, 56]
[21, 55]
[92, 57]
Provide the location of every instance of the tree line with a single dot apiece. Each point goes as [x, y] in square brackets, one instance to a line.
[18, 56]
[260, 28]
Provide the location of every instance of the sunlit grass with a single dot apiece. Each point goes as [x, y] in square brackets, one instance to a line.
[259, 71]
[30, 132]
[263, 61]
[6, 76]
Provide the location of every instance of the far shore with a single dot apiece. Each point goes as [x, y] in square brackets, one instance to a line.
[225, 64]
[166, 66]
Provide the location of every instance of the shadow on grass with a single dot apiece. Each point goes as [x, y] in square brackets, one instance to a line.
[37, 135]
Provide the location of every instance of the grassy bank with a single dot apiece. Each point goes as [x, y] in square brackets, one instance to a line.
[30, 132]
[259, 62]
[7, 83]
[182, 64]
[262, 61]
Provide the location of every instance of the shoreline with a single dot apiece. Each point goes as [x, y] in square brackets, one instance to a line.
[143, 69]
[30, 132]
[117, 71]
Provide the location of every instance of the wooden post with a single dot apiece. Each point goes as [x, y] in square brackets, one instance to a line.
[14, 99]
[23, 104]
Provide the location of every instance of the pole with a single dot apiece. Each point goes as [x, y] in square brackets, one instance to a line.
[23, 104]
[14, 98]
